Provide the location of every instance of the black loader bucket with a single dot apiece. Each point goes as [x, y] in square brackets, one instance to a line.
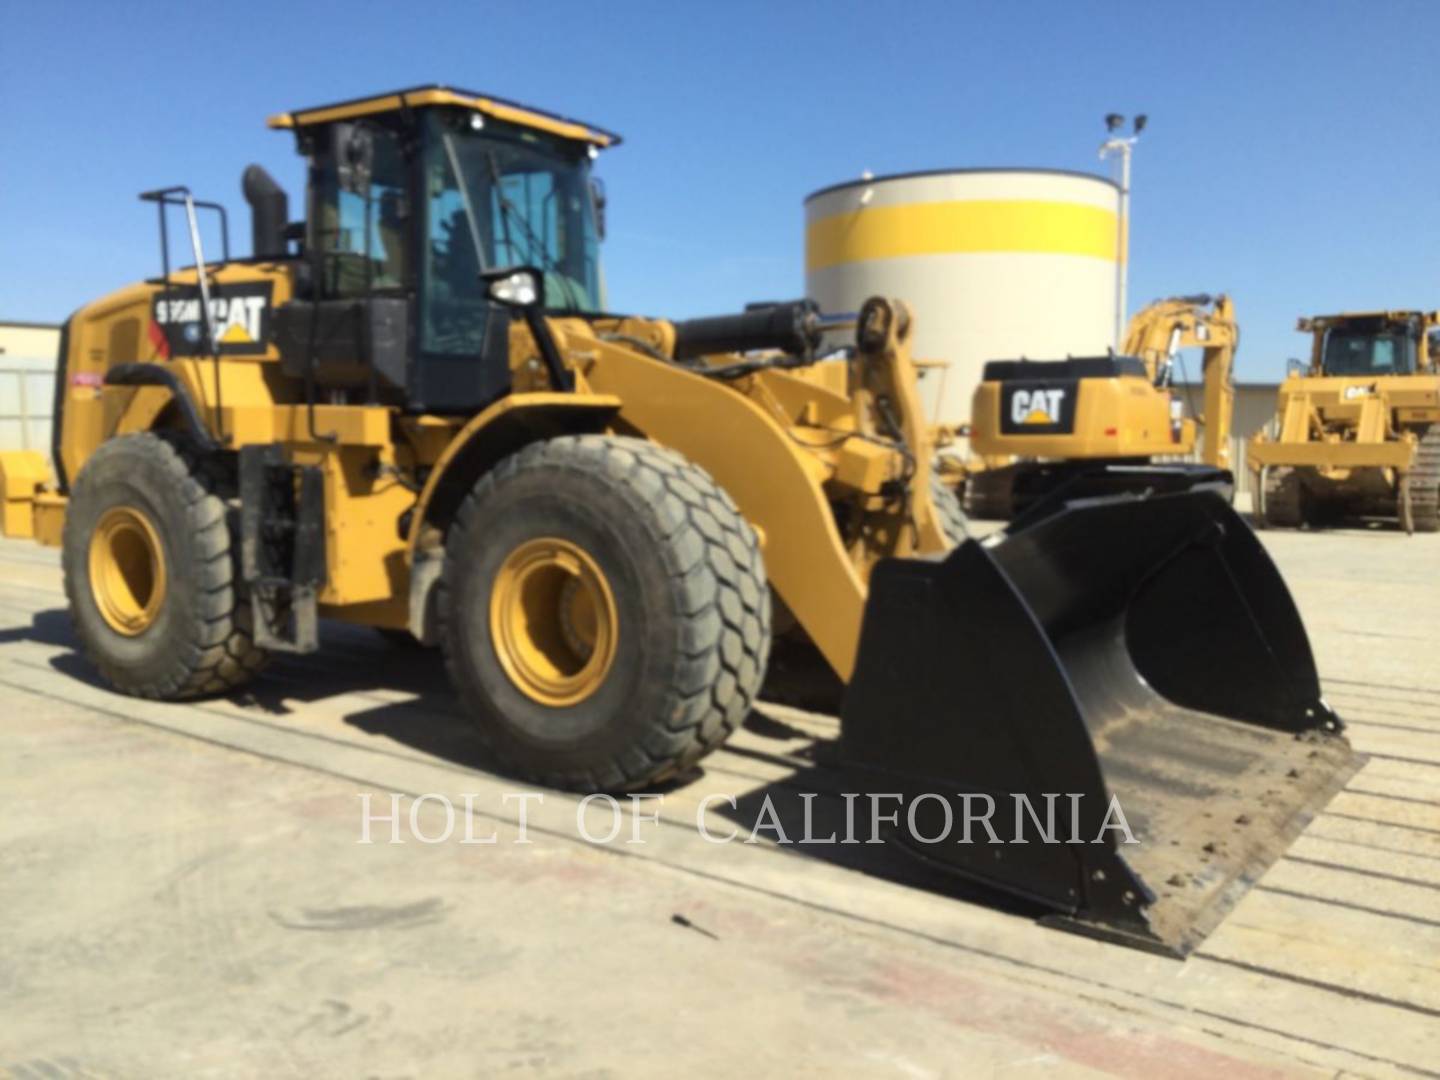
[1108, 664]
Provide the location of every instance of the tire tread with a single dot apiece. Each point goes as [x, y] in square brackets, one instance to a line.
[713, 559]
[222, 654]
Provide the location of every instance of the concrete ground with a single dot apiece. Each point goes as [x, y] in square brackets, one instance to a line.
[184, 892]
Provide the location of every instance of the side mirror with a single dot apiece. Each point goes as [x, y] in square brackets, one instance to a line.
[1293, 366]
[598, 200]
[515, 286]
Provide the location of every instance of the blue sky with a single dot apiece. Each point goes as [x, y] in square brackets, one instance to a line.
[1292, 157]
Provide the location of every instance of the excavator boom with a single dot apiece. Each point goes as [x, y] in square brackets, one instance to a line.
[1156, 335]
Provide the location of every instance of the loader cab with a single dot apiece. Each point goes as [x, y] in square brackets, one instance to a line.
[410, 198]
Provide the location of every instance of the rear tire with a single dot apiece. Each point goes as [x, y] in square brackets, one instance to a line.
[671, 646]
[150, 572]
[1423, 483]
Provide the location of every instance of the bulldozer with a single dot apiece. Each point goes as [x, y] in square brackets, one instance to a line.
[412, 410]
[1091, 425]
[1358, 429]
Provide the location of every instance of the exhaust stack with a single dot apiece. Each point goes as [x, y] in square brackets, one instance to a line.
[269, 213]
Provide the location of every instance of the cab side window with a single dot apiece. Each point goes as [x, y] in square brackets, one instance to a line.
[363, 238]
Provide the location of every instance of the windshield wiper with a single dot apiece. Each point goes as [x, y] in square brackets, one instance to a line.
[464, 190]
[537, 246]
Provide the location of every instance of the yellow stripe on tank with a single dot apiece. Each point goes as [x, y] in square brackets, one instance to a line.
[971, 225]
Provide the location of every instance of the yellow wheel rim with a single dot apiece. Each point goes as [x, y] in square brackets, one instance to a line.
[127, 570]
[553, 621]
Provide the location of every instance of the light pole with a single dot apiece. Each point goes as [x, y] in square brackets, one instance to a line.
[1122, 145]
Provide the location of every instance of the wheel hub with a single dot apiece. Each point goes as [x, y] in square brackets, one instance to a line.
[127, 570]
[553, 621]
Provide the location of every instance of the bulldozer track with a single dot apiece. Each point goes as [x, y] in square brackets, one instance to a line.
[1282, 499]
[1423, 483]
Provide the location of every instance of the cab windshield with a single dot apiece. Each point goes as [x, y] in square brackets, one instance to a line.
[1367, 352]
[498, 196]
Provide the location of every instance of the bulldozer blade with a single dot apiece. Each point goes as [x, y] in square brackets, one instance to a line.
[1126, 684]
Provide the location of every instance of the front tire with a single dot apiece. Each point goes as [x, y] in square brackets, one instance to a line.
[150, 573]
[604, 613]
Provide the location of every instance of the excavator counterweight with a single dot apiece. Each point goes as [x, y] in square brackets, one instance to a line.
[1083, 425]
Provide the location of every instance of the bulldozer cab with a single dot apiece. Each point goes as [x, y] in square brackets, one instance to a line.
[1367, 345]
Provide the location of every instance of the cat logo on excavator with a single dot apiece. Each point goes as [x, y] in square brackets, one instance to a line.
[1042, 406]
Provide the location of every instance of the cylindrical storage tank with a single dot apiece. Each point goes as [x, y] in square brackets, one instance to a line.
[996, 263]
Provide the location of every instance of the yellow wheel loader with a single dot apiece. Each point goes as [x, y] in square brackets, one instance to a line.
[412, 411]
[1358, 431]
[1098, 424]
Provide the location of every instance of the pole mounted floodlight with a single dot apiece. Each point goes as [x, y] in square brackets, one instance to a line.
[1121, 146]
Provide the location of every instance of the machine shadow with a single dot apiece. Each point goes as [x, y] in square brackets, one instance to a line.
[50, 627]
[358, 662]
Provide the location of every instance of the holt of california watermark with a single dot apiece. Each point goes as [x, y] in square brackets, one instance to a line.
[848, 818]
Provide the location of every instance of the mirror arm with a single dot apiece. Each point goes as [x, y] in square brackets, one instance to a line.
[561, 377]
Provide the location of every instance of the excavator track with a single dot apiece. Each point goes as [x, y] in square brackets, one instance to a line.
[1282, 499]
[990, 495]
[1422, 483]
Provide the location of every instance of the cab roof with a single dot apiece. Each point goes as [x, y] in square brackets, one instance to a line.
[1324, 322]
[417, 97]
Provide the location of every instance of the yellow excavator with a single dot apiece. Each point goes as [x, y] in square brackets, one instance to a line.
[1093, 425]
[1357, 430]
[413, 411]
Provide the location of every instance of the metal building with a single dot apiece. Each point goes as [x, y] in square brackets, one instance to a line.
[27, 384]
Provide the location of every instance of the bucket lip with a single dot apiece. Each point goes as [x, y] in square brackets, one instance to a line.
[919, 173]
